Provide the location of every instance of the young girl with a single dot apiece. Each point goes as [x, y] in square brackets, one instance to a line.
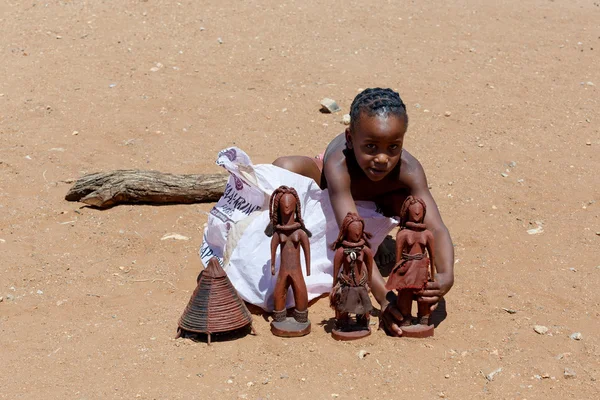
[367, 162]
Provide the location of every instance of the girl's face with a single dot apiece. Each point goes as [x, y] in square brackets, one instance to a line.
[377, 143]
[287, 204]
[415, 212]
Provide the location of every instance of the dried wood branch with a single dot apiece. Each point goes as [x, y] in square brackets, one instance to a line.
[108, 189]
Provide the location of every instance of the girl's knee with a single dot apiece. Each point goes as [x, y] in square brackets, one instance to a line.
[300, 165]
[285, 163]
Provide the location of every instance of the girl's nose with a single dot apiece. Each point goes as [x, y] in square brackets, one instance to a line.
[381, 159]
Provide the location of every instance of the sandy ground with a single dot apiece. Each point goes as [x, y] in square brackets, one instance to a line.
[91, 298]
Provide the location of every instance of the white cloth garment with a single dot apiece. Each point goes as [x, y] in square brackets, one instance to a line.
[236, 225]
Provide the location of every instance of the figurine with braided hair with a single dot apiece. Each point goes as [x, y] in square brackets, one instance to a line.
[412, 270]
[352, 270]
[286, 227]
[368, 162]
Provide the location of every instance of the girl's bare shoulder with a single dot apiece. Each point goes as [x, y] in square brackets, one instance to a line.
[411, 170]
[335, 171]
[337, 145]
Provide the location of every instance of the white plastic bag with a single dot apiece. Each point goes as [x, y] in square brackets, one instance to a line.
[239, 241]
[239, 200]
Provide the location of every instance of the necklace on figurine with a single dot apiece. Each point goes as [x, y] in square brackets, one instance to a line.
[349, 244]
[290, 227]
[415, 226]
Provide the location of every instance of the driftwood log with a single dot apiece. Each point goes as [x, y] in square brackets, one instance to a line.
[108, 189]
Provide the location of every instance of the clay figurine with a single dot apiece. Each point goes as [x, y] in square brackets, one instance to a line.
[352, 269]
[413, 268]
[288, 232]
[215, 305]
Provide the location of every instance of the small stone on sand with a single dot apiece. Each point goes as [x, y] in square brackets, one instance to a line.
[175, 236]
[329, 106]
[491, 375]
[535, 231]
[541, 329]
[569, 373]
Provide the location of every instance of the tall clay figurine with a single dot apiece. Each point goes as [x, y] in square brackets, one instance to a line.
[352, 269]
[288, 232]
[413, 268]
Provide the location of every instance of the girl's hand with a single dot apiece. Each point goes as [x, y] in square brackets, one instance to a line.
[435, 290]
[389, 320]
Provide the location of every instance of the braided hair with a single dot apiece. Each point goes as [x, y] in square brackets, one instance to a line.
[410, 200]
[274, 218]
[377, 101]
[348, 219]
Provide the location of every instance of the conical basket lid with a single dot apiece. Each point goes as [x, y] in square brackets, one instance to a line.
[214, 269]
[215, 305]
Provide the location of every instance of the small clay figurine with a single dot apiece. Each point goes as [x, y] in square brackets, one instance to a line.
[412, 270]
[215, 305]
[352, 269]
[288, 232]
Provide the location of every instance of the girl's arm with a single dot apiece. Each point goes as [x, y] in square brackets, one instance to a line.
[338, 186]
[390, 316]
[414, 178]
[431, 253]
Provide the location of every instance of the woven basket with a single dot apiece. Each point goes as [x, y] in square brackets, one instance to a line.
[215, 305]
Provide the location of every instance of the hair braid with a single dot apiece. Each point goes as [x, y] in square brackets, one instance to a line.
[298, 209]
[377, 101]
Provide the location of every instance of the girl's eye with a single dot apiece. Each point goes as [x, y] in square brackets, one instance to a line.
[370, 146]
[394, 147]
